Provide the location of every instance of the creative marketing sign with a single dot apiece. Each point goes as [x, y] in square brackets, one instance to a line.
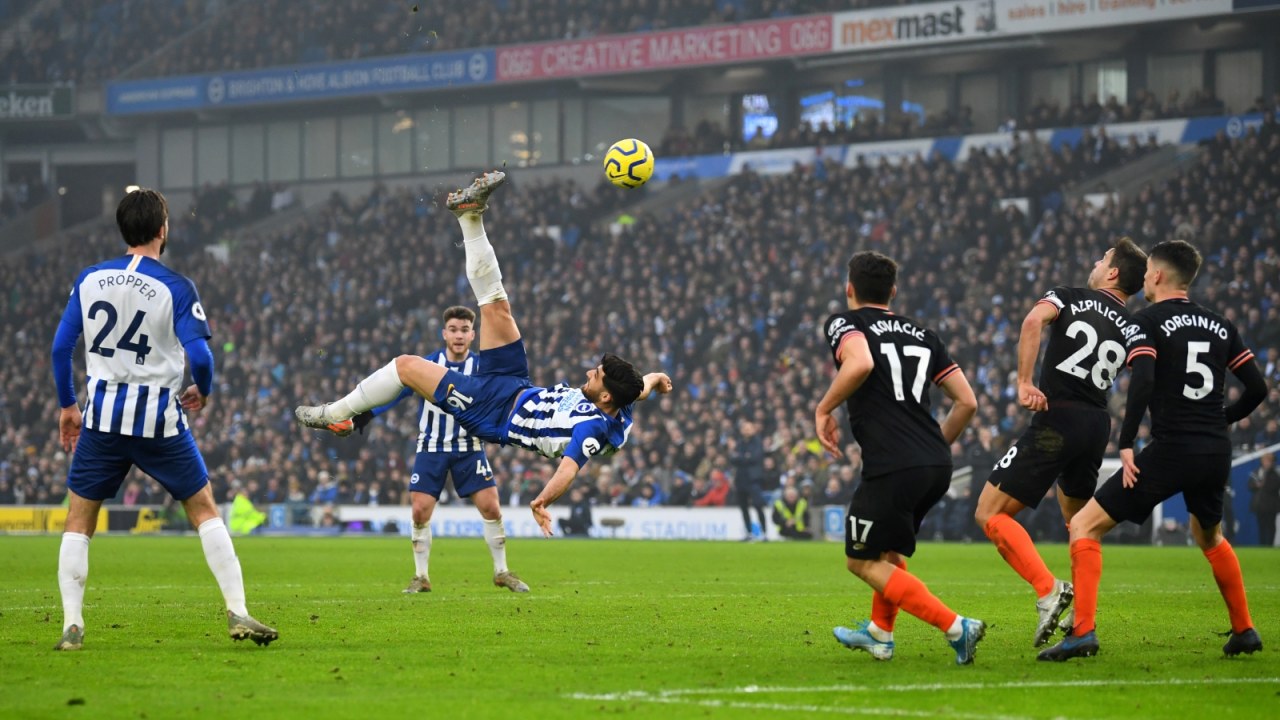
[306, 82]
[637, 52]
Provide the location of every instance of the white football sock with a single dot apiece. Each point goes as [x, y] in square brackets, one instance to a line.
[956, 629]
[496, 536]
[380, 388]
[482, 265]
[73, 572]
[472, 225]
[879, 633]
[221, 556]
[421, 536]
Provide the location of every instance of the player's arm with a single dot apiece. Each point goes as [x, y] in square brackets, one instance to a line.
[192, 328]
[195, 397]
[1041, 315]
[964, 405]
[1255, 389]
[655, 382]
[555, 487]
[64, 346]
[1142, 383]
[856, 364]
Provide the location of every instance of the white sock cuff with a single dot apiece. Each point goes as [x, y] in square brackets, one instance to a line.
[213, 524]
[75, 537]
[472, 225]
[421, 532]
[493, 525]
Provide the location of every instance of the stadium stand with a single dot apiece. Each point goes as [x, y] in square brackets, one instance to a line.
[111, 38]
[725, 292]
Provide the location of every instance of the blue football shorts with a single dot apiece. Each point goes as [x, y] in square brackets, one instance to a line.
[101, 461]
[481, 403]
[470, 470]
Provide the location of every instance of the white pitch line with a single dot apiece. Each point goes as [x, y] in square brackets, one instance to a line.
[927, 687]
[786, 707]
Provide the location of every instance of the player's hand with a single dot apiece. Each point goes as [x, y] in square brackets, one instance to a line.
[1131, 471]
[192, 400]
[69, 422]
[540, 514]
[663, 384]
[1030, 397]
[828, 433]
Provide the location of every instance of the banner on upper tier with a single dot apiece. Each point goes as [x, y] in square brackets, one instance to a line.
[305, 82]
[956, 148]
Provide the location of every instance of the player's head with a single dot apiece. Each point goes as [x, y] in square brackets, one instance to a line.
[459, 329]
[142, 216]
[1172, 265]
[873, 278]
[1122, 268]
[614, 383]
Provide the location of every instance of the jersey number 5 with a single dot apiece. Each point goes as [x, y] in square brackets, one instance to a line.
[132, 341]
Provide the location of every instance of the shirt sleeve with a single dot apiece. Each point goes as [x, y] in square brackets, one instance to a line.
[1057, 299]
[1142, 341]
[189, 320]
[838, 328]
[941, 365]
[64, 345]
[589, 439]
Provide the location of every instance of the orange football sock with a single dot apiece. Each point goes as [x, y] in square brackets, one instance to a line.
[907, 592]
[1226, 571]
[1017, 549]
[883, 612]
[1086, 573]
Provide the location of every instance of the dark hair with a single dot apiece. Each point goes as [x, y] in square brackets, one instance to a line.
[1180, 256]
[621, 379]
[141, 215]
[1129, 259]
[459, 312]
[873, 276]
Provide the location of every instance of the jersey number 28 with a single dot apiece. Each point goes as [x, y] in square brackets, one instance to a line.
[1110, 356]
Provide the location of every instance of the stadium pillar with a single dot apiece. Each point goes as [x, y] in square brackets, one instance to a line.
[1270, 69]
[1135, 71]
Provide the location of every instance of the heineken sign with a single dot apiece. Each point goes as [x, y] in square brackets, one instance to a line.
[31, 102]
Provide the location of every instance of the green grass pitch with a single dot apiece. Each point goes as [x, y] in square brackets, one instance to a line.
[640, 629]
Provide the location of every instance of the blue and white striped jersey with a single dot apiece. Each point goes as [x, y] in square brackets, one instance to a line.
[135, 315]
[437, 430]
[561, 422]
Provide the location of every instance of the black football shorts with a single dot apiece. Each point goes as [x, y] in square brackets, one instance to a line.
[886, 511]
[1165, 471]
[1063, 444]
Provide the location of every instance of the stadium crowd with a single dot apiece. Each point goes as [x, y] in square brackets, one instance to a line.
[726, 294]
[85, 41]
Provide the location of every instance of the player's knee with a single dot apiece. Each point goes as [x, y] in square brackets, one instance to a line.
[404, 364]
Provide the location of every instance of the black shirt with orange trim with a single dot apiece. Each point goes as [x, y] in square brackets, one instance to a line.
[1086, 345]
[1193, 348]
[890, 413]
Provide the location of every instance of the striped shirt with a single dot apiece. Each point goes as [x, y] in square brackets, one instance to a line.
[437, 430]
[561, 422]
[135, 315]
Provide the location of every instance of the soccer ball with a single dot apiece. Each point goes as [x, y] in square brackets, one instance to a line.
[628, 163]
